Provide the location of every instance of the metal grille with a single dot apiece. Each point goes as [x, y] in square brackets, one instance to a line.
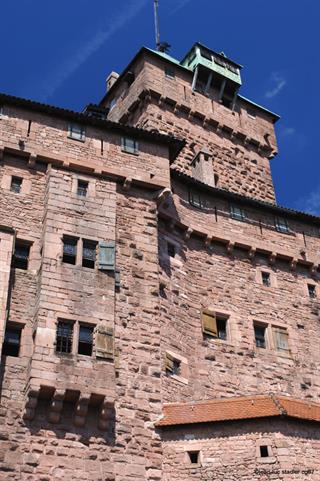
[64, 337]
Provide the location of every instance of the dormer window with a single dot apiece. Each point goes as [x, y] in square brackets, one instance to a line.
[76, 132]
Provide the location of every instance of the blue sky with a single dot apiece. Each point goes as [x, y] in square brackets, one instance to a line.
[60, 53]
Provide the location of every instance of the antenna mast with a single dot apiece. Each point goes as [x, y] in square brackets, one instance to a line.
[156, 23]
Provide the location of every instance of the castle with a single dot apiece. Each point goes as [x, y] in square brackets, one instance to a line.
[159, 312]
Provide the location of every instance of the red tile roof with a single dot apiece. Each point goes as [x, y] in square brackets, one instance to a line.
[230, 409]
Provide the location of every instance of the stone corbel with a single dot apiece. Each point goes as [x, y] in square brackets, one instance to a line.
[230, 248]
[171, 224]
[252, 253]
[104, 416]
[127, 183]
[293, 264]
[81, 410]
[31, 405]
[188, 233]
[32, 159]
[56, 406]
[272, 258]
[163, 197]
[208, 241]
[313, 269]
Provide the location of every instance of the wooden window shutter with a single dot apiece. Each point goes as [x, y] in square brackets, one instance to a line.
[209, 323]
[107, 256]
[281, 339]
[169, 360]
[104, 342]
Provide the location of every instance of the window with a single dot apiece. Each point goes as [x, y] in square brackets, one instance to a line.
[260, 335]
[11, 343]
[214, 325]
[112, 104]
[194, 457]
[281, 339]
[169, 72]
[77, 132]
[129, 145]
[20, 258]
[237, 213]
[82, 188]
[206, 54]
[264, 451]
[64, 337]
[251, 113]
[89, 254]
[222, 328]
[69, 250]
[196, 199]
[219, 61]
[85, 343]
[1, 111]
[312, 291]
[171, 249]
[173, 365]
[281, 225]
[266, 279]
[16, 184]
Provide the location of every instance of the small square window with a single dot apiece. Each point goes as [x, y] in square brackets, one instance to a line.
[77, 132]
[196, 199]
[89, 254]
[214, 325]
[85, 340]
[64, 337]
[69, 250]
[169, 72]
[82, 188]
[260, 335]
[266, 278]
[11, 342]
[194, 457]
[281, 225]
[312, 291]
[173, 365]
[16, 184]
[1, 111]
[20, 258]
[264, 451]
[129, 145]
[237, 213]
[171, 249]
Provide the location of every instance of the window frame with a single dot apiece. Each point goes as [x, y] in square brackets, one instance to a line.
[19, 184]
[94, 245]
[260, 325]
[82, 325]
[12, 326]
[169, 73]
[281, 225]
[76, 132]
[65, 254]
[242, 216]
[70, 339]
[201, 204]
[18, 260]
[134, 149]
[81, 189]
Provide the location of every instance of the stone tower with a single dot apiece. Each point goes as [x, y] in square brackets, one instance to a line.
[159, 312]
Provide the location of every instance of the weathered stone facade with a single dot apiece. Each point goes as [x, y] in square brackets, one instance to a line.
[138, 270]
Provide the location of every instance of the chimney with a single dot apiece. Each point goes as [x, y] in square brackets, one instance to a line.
[111, 79]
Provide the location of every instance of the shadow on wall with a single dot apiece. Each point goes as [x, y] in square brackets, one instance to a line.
[66, 429]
